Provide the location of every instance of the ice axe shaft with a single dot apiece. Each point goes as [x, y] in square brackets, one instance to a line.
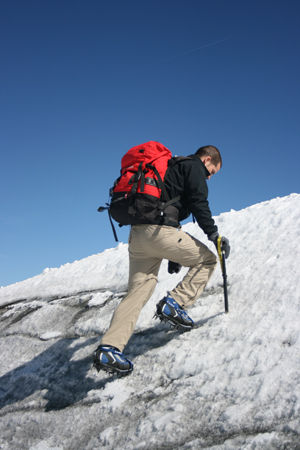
[221, 254]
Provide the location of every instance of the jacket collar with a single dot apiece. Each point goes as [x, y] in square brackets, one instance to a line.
[207, 173]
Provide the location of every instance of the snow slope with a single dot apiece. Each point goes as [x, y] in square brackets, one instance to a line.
[231, 382]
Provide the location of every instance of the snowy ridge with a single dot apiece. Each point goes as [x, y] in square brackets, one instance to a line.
[94, 272]
[232, 382]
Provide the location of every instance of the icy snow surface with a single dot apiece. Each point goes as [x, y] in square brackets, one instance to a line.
[233, 382]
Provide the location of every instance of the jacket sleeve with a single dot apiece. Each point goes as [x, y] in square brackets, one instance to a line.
[196, 193]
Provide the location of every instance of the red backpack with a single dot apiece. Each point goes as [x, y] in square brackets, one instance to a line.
[139, 195]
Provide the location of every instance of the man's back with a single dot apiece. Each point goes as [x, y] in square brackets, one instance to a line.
[187, 178]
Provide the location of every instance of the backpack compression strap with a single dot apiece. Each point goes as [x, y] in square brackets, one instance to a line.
[139, 174]
[159, 182]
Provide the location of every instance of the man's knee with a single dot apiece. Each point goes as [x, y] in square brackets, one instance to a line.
[140, 280]
[210, 259]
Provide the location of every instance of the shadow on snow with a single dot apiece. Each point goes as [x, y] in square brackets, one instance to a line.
[65, 379]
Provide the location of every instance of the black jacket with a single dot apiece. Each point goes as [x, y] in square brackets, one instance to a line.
[186, 178]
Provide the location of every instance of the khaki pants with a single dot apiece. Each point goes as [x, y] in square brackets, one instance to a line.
[148, 246]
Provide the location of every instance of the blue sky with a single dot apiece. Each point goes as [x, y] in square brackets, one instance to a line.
[83, 81]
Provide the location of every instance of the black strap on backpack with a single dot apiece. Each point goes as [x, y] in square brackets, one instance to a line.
[103, 208]
[159, 181]
[139, 174]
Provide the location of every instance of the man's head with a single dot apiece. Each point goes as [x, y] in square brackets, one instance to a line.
[211, 158]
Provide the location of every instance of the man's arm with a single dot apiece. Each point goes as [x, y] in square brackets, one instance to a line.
[196, 193]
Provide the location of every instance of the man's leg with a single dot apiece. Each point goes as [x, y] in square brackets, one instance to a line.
[143, 272]
[194, 282]
[180, 247]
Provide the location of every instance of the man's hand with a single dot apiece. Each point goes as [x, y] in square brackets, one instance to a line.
[225, 247]
[173, 267]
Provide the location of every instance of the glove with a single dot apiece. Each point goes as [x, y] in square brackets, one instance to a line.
[225, 247]
[173, 267]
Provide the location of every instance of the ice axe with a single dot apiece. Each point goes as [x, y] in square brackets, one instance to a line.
[221, 254]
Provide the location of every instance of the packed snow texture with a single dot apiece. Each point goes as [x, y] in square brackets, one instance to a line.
[231, 382]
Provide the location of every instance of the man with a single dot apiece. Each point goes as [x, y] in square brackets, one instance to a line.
[149, 244]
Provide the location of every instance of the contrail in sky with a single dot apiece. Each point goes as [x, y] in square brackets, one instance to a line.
[210, 44]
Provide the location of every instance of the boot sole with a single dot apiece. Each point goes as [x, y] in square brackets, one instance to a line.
[174, 323]
[112, 370]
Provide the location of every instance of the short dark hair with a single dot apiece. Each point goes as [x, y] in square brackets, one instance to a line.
[213, 152]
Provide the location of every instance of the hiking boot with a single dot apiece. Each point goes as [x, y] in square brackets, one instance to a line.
[110, 359]
[168, 310]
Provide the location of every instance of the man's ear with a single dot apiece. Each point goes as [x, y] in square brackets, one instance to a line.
[206, 159]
